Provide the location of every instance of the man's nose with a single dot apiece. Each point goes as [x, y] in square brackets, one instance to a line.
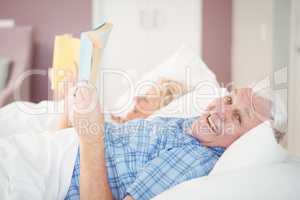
[221, 111]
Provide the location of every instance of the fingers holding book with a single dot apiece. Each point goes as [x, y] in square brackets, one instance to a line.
[86, 112]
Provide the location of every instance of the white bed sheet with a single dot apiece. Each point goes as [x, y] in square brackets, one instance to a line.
[25, 117]
[36, 160]
[37, 166]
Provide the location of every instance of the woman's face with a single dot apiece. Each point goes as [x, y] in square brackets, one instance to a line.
[148, 103]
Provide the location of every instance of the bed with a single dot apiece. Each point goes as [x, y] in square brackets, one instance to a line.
[253, 167]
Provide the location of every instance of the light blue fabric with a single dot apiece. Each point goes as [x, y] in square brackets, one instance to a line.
[145, 158]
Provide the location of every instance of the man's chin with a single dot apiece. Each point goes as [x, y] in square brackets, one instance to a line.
[204, 137]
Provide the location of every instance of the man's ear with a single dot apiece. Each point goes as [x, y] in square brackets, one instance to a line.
[137, 99]
[261, 107]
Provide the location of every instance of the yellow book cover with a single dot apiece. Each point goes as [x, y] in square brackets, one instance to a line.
[65, 58]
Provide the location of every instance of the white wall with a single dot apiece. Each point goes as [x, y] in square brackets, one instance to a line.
[261, 52]
[145, 32]
[294, 81]
[251, 41]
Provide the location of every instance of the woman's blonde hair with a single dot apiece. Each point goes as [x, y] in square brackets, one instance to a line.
[170, 90]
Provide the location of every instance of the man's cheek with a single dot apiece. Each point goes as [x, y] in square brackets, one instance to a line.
[230, 129]
[202, 132]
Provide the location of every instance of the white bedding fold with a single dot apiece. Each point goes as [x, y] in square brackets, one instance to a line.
[37, 166]
[25, 117]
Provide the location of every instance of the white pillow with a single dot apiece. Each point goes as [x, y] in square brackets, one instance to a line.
[278, 181]
[184, 66]
[257, 147]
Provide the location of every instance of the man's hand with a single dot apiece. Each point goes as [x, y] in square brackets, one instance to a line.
[88, 123]
[87, 117]
[128, 198]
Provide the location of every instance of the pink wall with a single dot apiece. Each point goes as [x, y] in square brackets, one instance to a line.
[217, 26]
[48, 18]
[51, 17]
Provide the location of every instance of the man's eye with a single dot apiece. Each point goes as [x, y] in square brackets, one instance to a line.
[145, 99]
[238, 117]
[228, 100]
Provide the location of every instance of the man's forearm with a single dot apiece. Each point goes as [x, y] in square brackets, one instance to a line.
[93, 174]
[88, 123]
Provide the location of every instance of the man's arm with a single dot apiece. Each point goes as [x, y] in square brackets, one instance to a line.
[93, 175]
[170, 168]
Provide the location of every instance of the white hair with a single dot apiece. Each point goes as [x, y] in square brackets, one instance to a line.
[278, 112]
[279, 117]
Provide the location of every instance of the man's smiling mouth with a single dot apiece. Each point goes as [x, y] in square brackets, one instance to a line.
[211, 124]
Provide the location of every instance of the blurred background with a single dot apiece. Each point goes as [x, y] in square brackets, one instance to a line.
[244, 42]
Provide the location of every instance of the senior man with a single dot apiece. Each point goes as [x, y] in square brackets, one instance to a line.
[141, 159]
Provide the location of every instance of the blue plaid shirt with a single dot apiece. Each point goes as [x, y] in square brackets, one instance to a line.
[145, 158]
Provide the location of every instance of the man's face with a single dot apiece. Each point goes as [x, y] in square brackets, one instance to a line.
[229, 117]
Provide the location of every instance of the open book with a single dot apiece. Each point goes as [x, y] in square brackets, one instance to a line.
[81, 57]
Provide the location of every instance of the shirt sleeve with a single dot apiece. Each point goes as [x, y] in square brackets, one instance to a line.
[170, 168]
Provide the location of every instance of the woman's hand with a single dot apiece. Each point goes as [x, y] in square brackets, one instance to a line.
[64, 86]
[117, 119]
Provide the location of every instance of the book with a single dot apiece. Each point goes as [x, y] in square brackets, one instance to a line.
[92, 45]
[82, 56]
[65, 58]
